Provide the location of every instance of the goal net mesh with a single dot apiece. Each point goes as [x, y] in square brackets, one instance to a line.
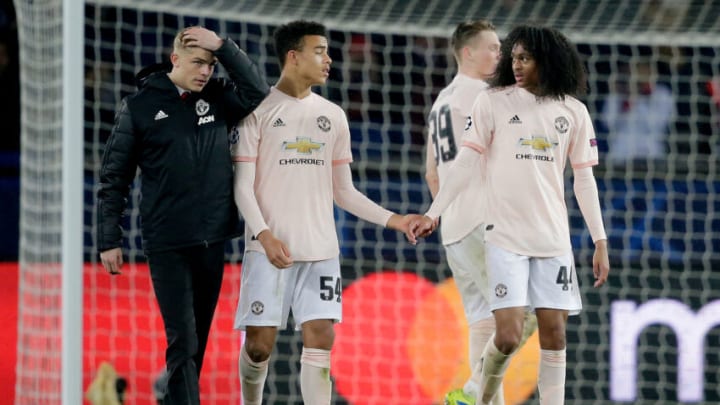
[652, 65]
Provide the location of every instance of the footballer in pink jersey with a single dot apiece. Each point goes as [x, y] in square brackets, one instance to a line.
[292, 162]
[528, 125]
[476, 48]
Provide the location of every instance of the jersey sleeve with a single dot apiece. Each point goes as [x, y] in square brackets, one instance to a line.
[582, 149]
[481, 126]
[244, 140]
[462, 108]
[342, 154]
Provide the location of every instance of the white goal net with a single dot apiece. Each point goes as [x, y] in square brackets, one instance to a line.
[654, 92]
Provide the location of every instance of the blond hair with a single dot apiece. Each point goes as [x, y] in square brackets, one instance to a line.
[465, 32]
[178, 45]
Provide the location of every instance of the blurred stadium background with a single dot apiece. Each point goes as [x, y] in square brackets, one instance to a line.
[649, 337]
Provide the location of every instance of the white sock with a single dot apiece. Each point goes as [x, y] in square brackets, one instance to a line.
[480, 333]
[499, 398]
[315, 384]
[493, 369]
[551, 380]
[252, 378]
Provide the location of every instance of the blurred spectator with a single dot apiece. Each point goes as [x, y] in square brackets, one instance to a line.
[637, 114]
[695, 93]
[362, 73]
[713, 89]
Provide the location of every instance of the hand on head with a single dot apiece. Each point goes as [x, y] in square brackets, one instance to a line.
[202, 38]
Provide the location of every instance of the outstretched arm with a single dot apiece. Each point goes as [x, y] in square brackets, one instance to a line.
[459, 175]
[350, 199]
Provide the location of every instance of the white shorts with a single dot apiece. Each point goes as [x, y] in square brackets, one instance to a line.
[467, 262]
[313, 290]
[533, 282]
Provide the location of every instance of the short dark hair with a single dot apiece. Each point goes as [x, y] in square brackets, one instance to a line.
[465, 31]
[289, 36]
[560, 70]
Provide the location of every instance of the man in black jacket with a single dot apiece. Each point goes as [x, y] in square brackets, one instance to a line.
[175, 129]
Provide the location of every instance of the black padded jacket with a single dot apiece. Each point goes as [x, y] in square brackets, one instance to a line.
[181, 148]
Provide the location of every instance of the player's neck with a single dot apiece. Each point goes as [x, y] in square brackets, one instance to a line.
[472, 72]
[293, 88]
[175, 80]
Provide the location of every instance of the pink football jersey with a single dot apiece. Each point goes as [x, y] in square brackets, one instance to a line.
[526, 142]
[448, 121]
[294, 144]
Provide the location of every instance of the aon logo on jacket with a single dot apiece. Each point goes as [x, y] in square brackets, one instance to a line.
[205, 120]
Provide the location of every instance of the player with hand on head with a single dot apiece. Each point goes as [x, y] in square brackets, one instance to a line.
[175, 129]
[292, 159]
[476, 48]
[527, 125]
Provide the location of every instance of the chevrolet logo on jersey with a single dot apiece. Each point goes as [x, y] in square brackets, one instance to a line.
[303, 145]
[538, 143]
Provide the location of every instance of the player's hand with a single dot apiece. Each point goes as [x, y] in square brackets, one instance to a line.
[423, 226]
[112, 260]
[402, 224]
[601, 263]
[201, 38]
[275, 250]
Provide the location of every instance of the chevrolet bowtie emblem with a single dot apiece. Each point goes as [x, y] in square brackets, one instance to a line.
[303, 145]
[537, 143]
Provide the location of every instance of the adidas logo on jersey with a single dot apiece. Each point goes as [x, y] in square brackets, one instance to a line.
[160, 115]
[515, 120]
[278, 123]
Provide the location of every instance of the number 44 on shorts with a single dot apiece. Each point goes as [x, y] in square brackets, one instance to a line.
[564, 278]
[330, 288]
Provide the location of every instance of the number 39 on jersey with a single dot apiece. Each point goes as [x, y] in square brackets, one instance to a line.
[441, 131]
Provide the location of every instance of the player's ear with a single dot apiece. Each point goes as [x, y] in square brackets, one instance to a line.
[291, 57]
[174, 58]
[466, 53]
